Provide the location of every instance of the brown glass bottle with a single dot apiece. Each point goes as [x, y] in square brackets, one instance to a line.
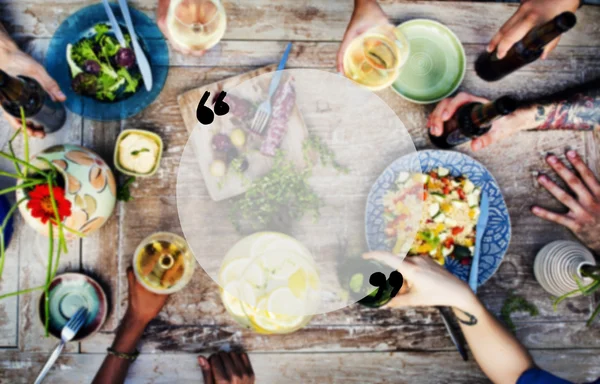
[17, 92]
[490, 68]
[472, 120]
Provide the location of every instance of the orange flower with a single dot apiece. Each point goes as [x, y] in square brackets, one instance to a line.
[40, 203]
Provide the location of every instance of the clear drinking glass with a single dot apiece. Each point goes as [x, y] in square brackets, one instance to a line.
[163, 263]
[196, 24]
[374, 59]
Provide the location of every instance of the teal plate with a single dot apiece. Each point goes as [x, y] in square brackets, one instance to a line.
[69, 292]
[436, 66]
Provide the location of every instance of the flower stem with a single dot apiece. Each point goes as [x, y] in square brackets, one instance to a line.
[48, 277]
[61, 234]
[21, 186]
[12, 152]
[4, 223]
[17, 293]
[25, 138]
[73, 231]
[14, 159]
[13, 175]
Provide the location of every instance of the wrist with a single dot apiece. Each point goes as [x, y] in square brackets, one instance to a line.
[133, 321]
[467, 302]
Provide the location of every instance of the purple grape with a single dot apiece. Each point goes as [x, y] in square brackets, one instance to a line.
[221, 142]
[125, 58]
[91, 66]
[84, 84]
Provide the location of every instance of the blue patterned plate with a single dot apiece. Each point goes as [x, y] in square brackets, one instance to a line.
[77, 26]
[497, 233]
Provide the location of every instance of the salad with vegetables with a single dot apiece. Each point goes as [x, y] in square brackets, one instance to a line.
[101, 68]
[449, 215]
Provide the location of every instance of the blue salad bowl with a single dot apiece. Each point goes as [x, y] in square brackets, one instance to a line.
[496, 237]
[80, 25]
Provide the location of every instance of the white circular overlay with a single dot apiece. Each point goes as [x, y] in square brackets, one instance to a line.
[275, 214]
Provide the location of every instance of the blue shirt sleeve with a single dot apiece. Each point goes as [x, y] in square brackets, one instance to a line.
[538, 376]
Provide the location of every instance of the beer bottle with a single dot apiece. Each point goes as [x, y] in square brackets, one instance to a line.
[25, 92]
[472, 120]
[490, 68]
[370, 283]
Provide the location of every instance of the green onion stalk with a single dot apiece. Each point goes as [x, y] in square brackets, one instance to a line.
[589, 271]
[29, 176]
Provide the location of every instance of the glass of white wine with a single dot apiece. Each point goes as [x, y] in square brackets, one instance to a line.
[197, 25]
[374, 59]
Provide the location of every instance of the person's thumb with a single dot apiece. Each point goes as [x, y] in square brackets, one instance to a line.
[206, 371]
[548, 48]
[38, 72]
[130, 277]
[492, 136]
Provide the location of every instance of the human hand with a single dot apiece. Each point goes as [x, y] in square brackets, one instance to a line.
[530, 14]
[583, 218]
[224, 368]
[367, 14]
[15, 62]
[161, 19]
[143, 304]
[428, 283]
[501, 128]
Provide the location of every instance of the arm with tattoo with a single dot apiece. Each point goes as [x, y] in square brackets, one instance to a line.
[574, 109]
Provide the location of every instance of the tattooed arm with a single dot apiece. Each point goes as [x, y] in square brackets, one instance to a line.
[499, 354]
[575, 109]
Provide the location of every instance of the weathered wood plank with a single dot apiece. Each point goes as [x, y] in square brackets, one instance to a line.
[163, 337]
[399, 367]
[100, 252]
[310, 20]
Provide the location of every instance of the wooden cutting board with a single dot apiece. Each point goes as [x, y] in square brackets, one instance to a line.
[201, 136]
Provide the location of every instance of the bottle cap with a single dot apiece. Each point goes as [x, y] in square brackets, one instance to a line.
[506, 105]
[565, 21]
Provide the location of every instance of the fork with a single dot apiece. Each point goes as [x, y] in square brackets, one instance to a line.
[68, 333]
[264, 110]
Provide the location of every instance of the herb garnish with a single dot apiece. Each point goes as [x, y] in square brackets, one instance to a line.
[123, 192]
[137, 152]
[326, 155]
[513, 304]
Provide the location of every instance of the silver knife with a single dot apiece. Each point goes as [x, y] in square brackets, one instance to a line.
[140, 57]
[484, 210]
[114, 23]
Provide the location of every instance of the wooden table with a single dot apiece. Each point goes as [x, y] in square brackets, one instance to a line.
[356, 344]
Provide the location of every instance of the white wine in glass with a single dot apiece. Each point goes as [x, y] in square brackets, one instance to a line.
[196, 24]
[374, 58]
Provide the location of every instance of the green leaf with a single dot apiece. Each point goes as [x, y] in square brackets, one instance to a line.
[132, 81]
[101, 29]
[514, 304]
[123, 192]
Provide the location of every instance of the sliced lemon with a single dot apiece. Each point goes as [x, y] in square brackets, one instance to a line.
[280, 265]
[297, 283]
[262, 242]
[284, 309]
[235, 294]
[233, 270]
[254, 275]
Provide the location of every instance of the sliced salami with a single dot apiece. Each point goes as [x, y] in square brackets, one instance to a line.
[282, 106]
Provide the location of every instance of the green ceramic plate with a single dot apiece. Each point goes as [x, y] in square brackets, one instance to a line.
[436, 65]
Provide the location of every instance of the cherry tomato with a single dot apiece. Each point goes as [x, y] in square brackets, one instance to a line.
[461, 194]
[466, 261]
[457, 230]
[449, 242]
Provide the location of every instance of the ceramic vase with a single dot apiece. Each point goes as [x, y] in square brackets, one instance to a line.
[558, 264]
[89, 184]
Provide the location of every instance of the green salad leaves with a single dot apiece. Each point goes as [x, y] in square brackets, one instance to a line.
[101, 68]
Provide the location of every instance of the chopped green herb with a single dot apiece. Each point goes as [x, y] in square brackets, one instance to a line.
[314, 144]
[513, 304]
[137, 152]
[123, 192]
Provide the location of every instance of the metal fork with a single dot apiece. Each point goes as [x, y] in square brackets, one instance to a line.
[68, 333]
[264, 110]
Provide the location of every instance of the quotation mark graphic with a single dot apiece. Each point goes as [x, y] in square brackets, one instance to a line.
[205, 115]
[378, 280]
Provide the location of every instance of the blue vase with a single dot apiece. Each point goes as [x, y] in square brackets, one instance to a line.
[8, 230]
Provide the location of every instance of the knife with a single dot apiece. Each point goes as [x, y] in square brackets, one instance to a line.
[114, 24]
[140, 57]
[456, 339]
[484, 210]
